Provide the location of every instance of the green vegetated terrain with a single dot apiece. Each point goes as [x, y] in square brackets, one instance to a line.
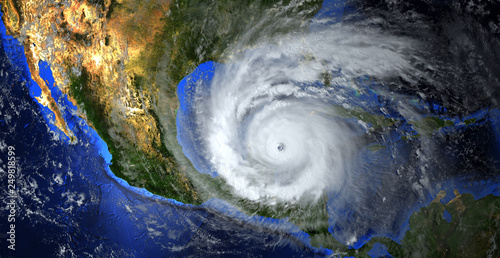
[472, 231]
[204, 30]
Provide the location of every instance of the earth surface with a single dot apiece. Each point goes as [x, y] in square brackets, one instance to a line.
[250, 128]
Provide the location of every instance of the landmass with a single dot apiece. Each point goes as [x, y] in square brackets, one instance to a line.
[463, 227]
[120, 62]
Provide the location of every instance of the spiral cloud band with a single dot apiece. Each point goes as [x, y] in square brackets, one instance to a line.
[267, 123]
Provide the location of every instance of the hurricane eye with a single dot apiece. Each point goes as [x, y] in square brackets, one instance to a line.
[281, 146]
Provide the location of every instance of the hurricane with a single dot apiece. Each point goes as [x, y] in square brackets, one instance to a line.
[361, 114]
[272, 132]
